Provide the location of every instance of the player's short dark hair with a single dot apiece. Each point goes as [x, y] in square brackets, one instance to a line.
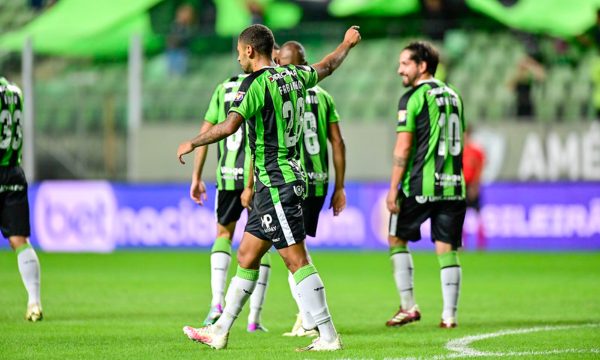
[422, 51]
[259, 37]
[299, 50]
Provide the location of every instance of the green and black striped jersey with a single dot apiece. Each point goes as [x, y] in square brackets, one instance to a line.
[11, 123]
[320, 112]
[272, 100]
[433, 112]
[233, 154]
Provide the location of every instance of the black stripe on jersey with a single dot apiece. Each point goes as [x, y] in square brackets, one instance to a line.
[269, 120]
[422, 133]
[403, 104]
[438, 189]
[457, 161]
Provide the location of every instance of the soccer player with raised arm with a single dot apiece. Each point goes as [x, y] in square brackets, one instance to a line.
[427, 180]
[271, 100]
[320, 123]
[14, 206]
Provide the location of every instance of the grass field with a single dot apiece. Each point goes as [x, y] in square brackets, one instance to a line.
[132, 305]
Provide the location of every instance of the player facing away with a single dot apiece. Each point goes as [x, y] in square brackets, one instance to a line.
[233, 171]
[427, 180]
[320, 123]
[272, 101]
[14, 206]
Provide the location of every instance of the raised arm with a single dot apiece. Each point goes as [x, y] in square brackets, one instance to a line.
[332, 61]
[214, 134]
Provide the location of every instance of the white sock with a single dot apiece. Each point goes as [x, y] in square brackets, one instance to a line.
[219, 267]
[311, 293]
[450, 290]
[29, 267]
[237, 294]
[307, 321]
[258, 296]
[402, 266]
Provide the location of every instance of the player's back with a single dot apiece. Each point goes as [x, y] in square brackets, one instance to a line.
[434, 111]
[233, 162]
[320, 111]
[272, 100]
[11, 117]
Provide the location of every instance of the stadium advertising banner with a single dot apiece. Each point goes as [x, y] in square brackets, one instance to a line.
[98, 216]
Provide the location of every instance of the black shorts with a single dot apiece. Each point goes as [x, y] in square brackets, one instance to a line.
[311, 208]
[14, 206]
[228, 206]
[277, 215]
[447, 218]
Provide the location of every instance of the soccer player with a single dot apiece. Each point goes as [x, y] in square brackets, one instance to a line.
[233, 173]
[320, 123]
[14, 206]
[272, 100]
[427, 180]
[233, 167]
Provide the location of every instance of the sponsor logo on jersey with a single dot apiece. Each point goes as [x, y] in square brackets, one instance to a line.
[282, 74]
[231, 173]
[265, 222]
[318, 176]
[447, 180]
[239, 96]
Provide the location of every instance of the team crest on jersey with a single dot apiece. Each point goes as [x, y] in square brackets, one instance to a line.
[239, 96]
[401, 117]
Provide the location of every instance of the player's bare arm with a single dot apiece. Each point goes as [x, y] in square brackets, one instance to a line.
[198, 188]
[338, 199]
[400, 160]
[214, 134]
[332, 61]
[248, 192]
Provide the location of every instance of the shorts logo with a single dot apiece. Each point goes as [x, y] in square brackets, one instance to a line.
[298, 190]
[266, 221]
[239, 96]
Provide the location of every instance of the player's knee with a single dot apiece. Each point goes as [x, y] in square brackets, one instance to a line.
[17, 241]
[248, 260]
[295, 263]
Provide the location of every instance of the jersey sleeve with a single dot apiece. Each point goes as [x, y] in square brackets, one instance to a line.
[409, 106]
[212, 113]
[249, 98]
[332, 114]
[308, 75]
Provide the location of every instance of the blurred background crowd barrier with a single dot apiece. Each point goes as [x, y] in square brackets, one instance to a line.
[113, 86]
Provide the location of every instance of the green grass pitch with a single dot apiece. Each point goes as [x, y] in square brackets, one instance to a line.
[132, 305]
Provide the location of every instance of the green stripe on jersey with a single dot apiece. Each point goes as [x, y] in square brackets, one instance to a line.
[433, 112]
